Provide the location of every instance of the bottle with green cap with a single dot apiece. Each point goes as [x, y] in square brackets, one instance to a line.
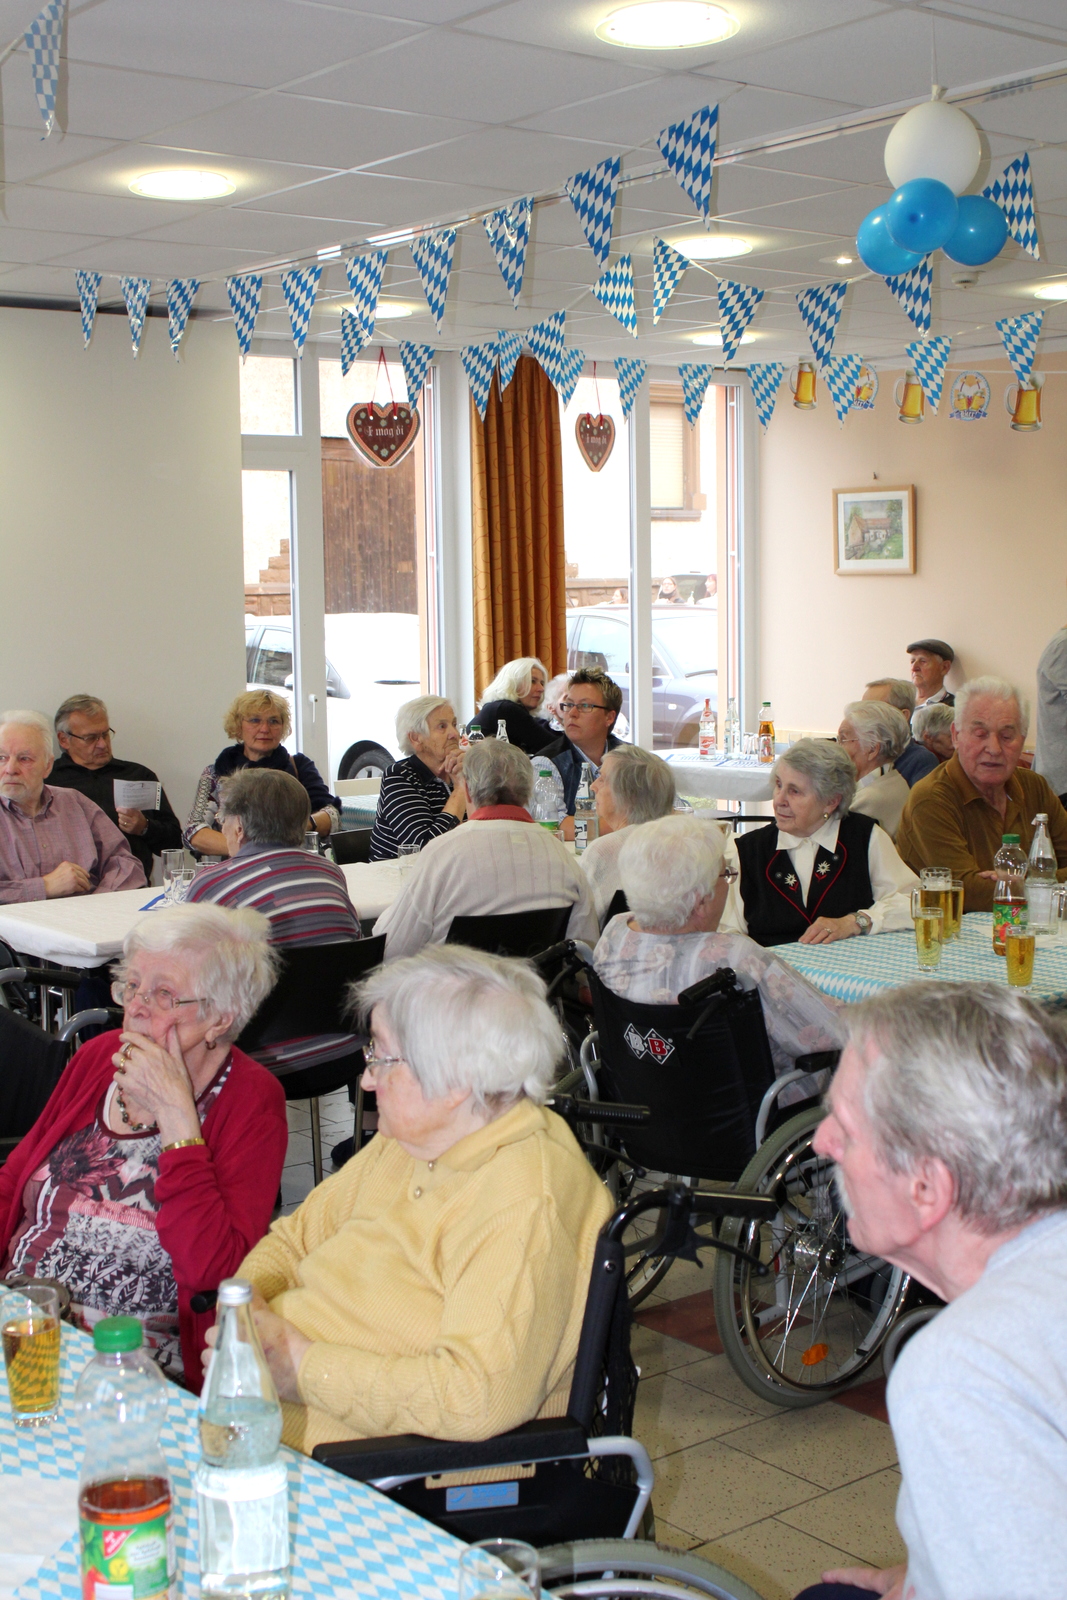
[124, 1500]
[1009, 895]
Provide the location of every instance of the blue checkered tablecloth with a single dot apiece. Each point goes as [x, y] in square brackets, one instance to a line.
[852, 969]
[347, 1540]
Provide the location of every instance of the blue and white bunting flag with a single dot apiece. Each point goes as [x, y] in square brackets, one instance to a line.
[479, 363]
[615, 290]
[181, 292]
[508, 349]
[631, 375]
[508, 232]
[244, 296]
[668, 264]
[88, 294]
[689, 150]
[737, 307]
[765, 379]
[695, 379]
[365, 280]
[842, 377]
[1013, 192]
[44, 38]
[592, 194]
[913, 291]
[415, 360]
[569, 364]
[355, 336]
[821, 310]
[135, 292]
[928, 357]
[432, 255]
[300, 286]
[545, 340]
[1020, 336]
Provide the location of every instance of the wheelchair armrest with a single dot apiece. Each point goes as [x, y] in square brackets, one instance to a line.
[572, 1109]
[412, 1455]
[61, 977]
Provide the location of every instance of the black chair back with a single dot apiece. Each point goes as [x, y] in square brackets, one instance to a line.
[617, 905]
[33, 1064]
[353, 844]
[514, 933]
[701, 1068]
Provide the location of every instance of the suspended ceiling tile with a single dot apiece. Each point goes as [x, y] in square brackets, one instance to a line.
[630, 117]
[760, 113]
[25, 156]
[152, 258]
[1031, 115]
[388, 202]
[28, 206]
[111, 172]
[30, 244]
[1046, 12]
[746, 188]
[840, 213]
[1049, 171]
[511, 158]
[242, 229]
[104, 102]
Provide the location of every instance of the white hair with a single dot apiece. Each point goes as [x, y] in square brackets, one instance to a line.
[30, 719]
[901, 693]
[974, 1075]
[497, 774]
[996, 689]
[932, 720]
[881, 729]
[514, 680]
[641, 783]
[826, 767]
[666, 866]
[467, 1020]
[414, 717]
[233, 961]
[554, 690]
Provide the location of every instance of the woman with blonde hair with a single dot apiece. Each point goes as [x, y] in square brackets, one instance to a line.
[257, 721]
[513, 698]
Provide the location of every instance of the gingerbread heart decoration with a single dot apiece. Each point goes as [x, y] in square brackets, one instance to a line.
[382, 435]
[596, 439]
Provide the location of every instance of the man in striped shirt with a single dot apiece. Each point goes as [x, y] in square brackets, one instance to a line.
[264, 817]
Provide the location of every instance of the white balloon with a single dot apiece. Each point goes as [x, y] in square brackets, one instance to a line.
[934, 140]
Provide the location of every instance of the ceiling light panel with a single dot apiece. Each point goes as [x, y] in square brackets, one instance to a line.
[667, 25]
[183, 183]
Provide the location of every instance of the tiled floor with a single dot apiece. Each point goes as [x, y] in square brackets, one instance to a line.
[774, 1496]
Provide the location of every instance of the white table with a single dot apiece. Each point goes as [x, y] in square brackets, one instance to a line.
[736, 778]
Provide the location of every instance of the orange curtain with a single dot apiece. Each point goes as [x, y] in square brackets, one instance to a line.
[517, 525]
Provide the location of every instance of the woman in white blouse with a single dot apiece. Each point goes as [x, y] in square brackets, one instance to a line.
[873, 734]
[632, 786]
[818, 872]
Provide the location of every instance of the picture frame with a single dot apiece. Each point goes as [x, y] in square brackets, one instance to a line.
[874, 531]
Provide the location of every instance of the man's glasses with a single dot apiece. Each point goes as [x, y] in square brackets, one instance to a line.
[92, 738]
[154, 999]
[581, 705]
[371, 1058]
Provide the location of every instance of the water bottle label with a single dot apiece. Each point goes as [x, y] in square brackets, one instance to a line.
[131, 1563]
[581, 834]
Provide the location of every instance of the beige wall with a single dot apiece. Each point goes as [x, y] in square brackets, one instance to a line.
[120, 531]
[991, 520]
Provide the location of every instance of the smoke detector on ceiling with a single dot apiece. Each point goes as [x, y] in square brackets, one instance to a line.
[966, 279]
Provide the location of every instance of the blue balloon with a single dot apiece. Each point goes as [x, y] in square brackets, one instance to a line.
[877, 250]
[980, 233]
[922, 214]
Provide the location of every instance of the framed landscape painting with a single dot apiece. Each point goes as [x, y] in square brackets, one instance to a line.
[874, 530]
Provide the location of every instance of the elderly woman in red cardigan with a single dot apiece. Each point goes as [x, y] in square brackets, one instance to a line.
[153, 1169]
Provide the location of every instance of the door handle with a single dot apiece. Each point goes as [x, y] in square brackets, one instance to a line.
[313, 700]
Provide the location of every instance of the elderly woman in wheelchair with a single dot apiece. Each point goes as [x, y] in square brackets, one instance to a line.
[437, 1284]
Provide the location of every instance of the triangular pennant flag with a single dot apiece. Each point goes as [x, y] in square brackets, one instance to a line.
[244, 296]
[508, 232]
[44, 38]
[668, 265]
[928, 357]
[695, 379]
[135, 292]
[1020, 336]
[764, 380]
[592, 194]
[1013, 192]
[631, 375]
[365, 280]
[569, 364]
[88, 292]
[841, 379]
[300, 287]
[689, 150]
[737, 306]
[821, 310]
[415, 359]
[355, 336]
[508, 349]
[479, 363]
[432, 255]
[545, 340]
[615, 290]
[181, 292]
[912, 292]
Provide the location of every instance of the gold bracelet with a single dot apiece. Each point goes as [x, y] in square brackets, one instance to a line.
[180, 1144]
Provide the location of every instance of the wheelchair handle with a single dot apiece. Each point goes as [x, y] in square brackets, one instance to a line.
[598, 1111]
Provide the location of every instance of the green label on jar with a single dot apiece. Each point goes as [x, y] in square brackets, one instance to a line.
[131, 1563]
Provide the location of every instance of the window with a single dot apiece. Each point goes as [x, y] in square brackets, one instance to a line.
[604, 642]
[675, 458]
[266, 499]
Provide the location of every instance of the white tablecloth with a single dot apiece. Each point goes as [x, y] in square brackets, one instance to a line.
[719, 779]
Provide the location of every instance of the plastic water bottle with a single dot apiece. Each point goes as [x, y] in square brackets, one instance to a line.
[476, 735]
[546, 807]
[1041, 879]
[502, 730]
[766, 734]
[1009, 895]
[733, 729]
[124, 1498]
[585, 818]
[707, 731]
[241, 1483]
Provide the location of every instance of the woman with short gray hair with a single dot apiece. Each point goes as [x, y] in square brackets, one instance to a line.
[423, 794]
[932, 727]
[437, 1284]
[819, 871]
[873, 734]
[633, 786]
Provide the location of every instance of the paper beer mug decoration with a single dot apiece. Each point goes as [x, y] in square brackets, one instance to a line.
[382, 435]
[596, 439]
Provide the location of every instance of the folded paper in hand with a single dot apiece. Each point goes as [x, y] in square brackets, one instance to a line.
[136, 795]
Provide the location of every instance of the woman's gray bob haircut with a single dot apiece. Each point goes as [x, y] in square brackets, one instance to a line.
[881, 729]
[973, 1075]
[641, 783]
[467, 1020]
[230, 952]
[826, 767]
[933, 720]
[997, 689]
[514, 680]
[497, 774]
[666, 866]
[414, 717]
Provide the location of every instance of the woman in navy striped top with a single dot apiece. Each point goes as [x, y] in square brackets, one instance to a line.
[423, 794]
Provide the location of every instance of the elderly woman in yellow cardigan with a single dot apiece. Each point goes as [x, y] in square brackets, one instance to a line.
[436, 1284]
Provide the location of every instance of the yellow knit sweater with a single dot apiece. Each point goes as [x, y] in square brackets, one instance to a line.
[443, 1297]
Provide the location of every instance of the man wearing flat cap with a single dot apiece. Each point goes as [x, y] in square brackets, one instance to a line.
[931, 660]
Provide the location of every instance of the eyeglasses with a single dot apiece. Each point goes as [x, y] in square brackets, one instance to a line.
[730, 874]
[154, 999]
[269, 722]
[371, 1058]
[581, 705]
[92, 738]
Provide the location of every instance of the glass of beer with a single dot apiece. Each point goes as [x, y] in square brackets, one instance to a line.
[1019, 946]
[29, 1327]
[929, 923]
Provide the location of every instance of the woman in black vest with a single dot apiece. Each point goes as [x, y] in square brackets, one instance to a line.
[818, 872]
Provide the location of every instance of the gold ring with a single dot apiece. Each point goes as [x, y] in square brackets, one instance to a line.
[124, 1053]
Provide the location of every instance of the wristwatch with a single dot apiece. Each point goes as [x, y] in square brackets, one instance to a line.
[866, 923]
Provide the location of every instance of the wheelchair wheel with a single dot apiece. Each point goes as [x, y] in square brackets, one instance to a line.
[601, 1569]
[905, 1328]
[643, 1271]
[819, 1318]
